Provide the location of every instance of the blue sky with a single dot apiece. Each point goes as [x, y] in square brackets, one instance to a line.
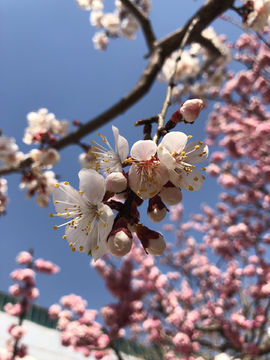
[48, 60]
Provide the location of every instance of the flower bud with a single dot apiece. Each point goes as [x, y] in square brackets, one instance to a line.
[170, 194]
[120, 239]
[116, 182]
[156, 209]
[189, 111]
[152, 241]
[156, 247]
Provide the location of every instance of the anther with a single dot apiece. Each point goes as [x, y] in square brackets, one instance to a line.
[50, 214]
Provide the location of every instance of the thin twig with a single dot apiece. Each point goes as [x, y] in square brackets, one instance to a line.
[167, 102]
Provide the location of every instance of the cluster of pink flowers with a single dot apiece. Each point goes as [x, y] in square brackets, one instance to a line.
[26, 291]
[78, 327]
[156, 173]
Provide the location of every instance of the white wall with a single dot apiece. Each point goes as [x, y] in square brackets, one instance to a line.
[43, 343]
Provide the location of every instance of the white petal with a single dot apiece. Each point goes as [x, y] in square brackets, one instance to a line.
[102, 248]
[174, 141]
[144, 187]
[143, 150]
[195, 156]
[189, 181]
[66, 197]
[93, 185]
[121, 144]
[78, 237]
[105, 221]
[165, 157]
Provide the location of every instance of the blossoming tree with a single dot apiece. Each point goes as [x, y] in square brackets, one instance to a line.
[207, 297]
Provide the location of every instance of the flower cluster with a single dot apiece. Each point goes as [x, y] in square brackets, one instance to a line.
[194, 76]
[40, 183]
[9, 154]
[157, 173]
[25, 291]
[44, 128]
[119, 23]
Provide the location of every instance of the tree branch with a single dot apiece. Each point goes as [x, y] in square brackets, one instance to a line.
[206, 14]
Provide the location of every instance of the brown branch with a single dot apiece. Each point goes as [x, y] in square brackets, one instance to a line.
[206, 14]
[145, 23]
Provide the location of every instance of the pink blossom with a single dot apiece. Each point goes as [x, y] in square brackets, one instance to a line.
[54, 311]
[15, 310]
[26, 275]
[46, 267]
[24, 258]
[17, 331]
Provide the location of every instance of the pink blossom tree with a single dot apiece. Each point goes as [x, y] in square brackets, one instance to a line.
[207, 297]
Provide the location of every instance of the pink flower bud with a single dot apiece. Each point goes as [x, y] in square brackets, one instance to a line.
[116, 182]
[170, 194]
[120, 239]
[189, 111]
[156, 209]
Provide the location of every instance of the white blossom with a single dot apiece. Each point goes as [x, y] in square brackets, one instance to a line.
[146, 175]
[88, 220]
[108, 160]
[180, 158]
[100, 41]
